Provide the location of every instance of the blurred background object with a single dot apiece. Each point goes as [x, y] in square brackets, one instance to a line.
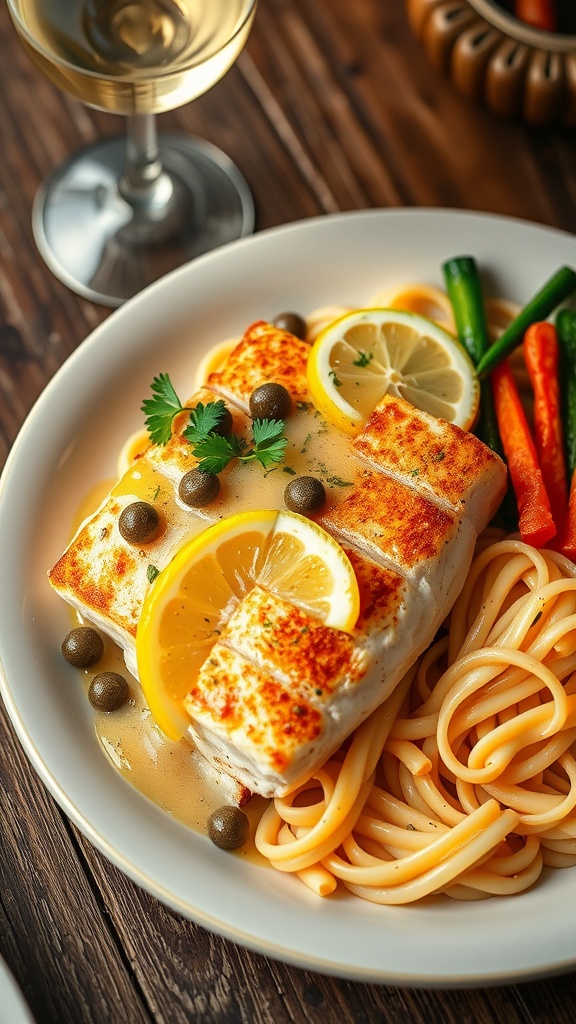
[494, 53]
[120, 213]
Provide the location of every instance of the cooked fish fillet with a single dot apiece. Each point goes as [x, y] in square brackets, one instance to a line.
[406, 500]
[443, 461]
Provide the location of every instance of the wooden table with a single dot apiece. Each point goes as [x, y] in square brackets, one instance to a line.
[332, 106]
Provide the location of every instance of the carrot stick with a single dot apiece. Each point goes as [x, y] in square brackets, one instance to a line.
[541, 355]
[568, 545]
[535, 518]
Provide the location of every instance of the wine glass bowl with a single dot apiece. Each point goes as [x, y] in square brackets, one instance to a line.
[122, 212]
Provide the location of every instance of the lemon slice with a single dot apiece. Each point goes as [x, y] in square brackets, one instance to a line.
[193, 597]
[368, 353]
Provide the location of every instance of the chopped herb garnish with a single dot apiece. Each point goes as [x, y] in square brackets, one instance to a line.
[364, 359]
[337, 481]
[288, 469]
[304, 447]
[151, 573]
[335, 379]
[303, 406]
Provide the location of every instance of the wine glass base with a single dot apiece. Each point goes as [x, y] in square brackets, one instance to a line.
[104, 248]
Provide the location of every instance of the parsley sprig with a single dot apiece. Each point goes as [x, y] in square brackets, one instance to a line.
[215, 452]
[161, 409]
[204, 419]
[212, 449]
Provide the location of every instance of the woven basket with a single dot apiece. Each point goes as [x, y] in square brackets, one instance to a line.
[514, 69]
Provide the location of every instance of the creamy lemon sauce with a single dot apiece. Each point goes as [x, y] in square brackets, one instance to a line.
[315, 448]
[174, 775]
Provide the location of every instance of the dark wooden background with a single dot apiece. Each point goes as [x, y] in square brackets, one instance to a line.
[332, 106]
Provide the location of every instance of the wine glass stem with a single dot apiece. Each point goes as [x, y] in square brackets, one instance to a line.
[144, 184]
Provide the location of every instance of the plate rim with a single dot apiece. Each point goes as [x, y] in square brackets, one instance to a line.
[151, 885]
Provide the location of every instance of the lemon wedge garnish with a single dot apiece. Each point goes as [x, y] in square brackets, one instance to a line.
[368, 353]
[194, 596]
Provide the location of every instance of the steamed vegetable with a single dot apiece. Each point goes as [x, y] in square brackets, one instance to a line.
[541, 355]
[535, 518]
[465, 293]
[546, 300]
[566, 328]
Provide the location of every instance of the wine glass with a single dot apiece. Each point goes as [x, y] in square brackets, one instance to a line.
[121, 212]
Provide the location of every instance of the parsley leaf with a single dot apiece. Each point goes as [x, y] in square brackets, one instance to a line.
[269, 442]
[161, 409]
[215, 452]
[203, 420]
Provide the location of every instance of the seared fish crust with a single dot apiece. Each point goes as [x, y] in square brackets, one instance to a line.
[279, 691]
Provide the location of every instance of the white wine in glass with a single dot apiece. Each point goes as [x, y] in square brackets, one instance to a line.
[120, 213]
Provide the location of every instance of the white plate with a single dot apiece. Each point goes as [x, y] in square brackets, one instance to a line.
[13, 1008]
[70, 441]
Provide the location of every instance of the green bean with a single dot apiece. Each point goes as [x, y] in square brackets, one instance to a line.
[464, 289]
[566, 327]
[546, 300]
[465, 293]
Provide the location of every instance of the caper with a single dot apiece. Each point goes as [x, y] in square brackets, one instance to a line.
[270, 401]
[304, 494]
[83, 646]
[224, 427]
[197, 488]
[138, 523]
[108, 691]
[228, 827]
[291, 322]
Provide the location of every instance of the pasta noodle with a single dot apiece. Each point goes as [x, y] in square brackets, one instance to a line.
[463, 782]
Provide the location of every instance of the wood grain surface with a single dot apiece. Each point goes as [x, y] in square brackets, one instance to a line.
[332, 106]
